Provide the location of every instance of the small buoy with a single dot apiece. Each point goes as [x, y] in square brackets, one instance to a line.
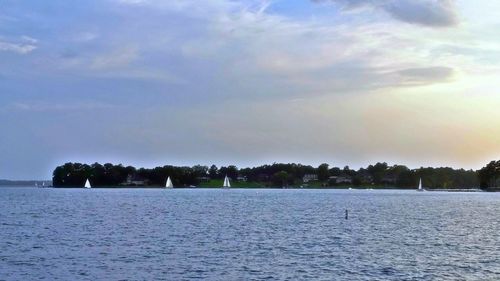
[346, 214]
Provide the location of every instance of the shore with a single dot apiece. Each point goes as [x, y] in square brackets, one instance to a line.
[275, 187]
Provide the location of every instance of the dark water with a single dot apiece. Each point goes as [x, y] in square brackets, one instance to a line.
[147, 234]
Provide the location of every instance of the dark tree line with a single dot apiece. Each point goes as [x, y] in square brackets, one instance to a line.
[489, 176]
[75, 174]
[276, 175]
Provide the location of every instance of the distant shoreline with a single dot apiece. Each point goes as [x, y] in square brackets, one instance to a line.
[287, 175]
[24, 183]
[260, 187]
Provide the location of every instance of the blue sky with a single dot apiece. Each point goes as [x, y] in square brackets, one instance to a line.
[150, 82]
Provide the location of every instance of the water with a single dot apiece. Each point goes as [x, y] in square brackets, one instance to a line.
[148, 234]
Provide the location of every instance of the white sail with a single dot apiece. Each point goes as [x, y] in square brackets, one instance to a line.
[420, 188]
[87, 184]
[169, 183]
[226, 184]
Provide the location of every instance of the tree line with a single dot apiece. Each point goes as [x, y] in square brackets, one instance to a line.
[489, 176]
[277, 175]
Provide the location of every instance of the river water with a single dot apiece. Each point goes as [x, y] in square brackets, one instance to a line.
[247, 234]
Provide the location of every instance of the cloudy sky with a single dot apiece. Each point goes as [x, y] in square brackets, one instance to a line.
[151, 82]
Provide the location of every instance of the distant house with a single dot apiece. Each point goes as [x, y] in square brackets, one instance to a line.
[242, 178]
[366, 179]
[309, 177]
[345, 179]
[340, 180]
[332, 180]
[135, 180]
[203, 179]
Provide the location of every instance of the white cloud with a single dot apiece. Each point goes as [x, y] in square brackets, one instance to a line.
[17, 48]
[29, 39]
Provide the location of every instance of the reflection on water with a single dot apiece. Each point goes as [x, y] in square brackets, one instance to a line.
[145, 234]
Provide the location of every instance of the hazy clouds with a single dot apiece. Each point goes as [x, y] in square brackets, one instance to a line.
[433, 13]
[150, 82]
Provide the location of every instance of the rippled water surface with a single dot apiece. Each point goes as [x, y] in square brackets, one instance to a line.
[255, 234]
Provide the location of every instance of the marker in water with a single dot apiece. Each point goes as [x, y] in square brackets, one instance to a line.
[346, 214]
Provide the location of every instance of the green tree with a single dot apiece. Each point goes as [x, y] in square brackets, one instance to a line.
[323, 172]
[378, 172]
[213, 172]
[488, 175]
[280, 179]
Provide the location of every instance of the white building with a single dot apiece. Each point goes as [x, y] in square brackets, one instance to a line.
[309, 177]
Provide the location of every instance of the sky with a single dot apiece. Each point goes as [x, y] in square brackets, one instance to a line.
[248, 82]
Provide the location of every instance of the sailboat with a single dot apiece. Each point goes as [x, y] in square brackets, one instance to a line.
[169, 183]
[87, 184]
[226, 184]
[420, 188]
